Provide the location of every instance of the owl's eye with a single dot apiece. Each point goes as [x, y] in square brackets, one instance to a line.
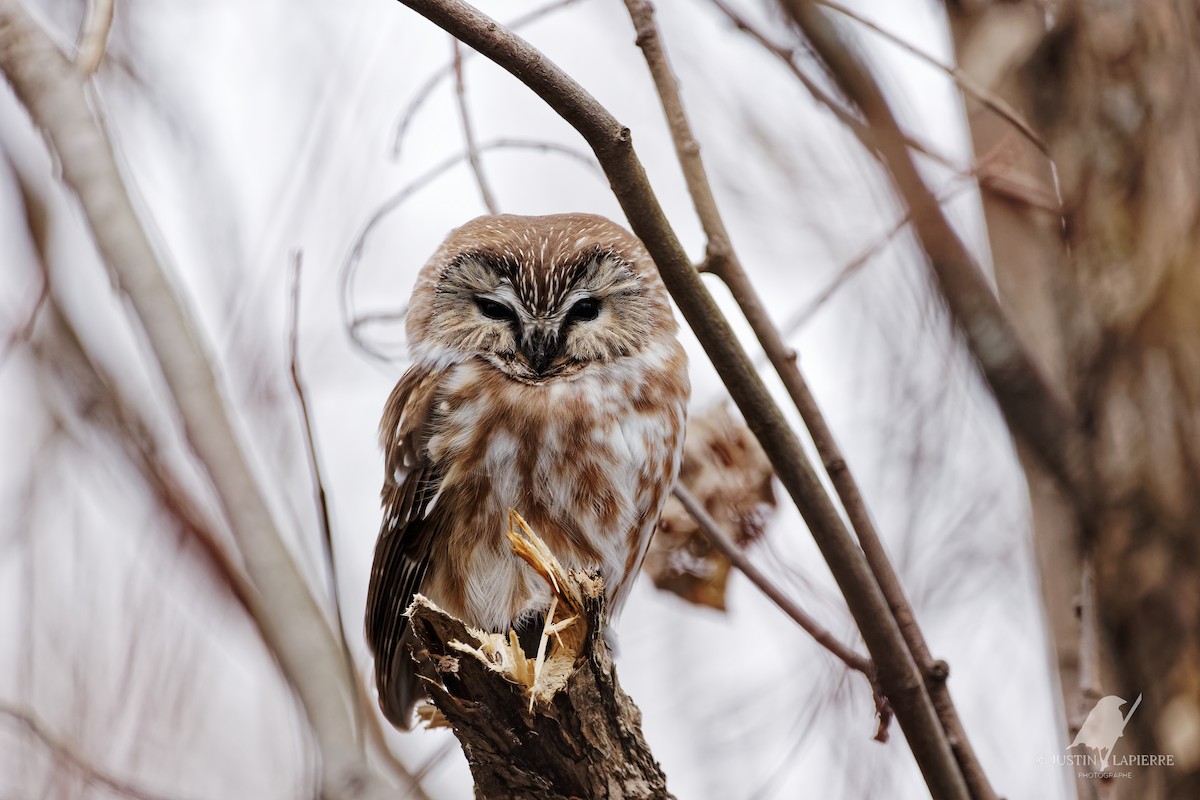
[494, 310]
[585, 310]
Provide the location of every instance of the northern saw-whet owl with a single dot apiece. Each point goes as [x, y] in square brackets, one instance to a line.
[546, 377]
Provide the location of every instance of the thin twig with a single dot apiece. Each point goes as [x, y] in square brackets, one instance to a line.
[314, 468]
[364, 709]
[351, 320]
[852, 267]
[712, 532]
[788, 56]
[1029, 403]
[724, 262]
[965, 82]
[898, 674]
[310, 444]
[64, 752]
[1034, 409]
[93, 37]
[431, 83]
[464, 116]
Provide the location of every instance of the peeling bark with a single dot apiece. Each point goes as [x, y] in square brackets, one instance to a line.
[583, 740]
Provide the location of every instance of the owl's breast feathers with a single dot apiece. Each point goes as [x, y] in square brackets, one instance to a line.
[587, 461]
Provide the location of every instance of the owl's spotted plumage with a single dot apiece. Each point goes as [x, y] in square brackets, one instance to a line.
[546, 377]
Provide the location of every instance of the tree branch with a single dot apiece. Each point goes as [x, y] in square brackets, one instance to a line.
[364, 709]
[555, 727]
[965, 82]
[52, 90]
[1033, 408]
[788, 56]
[898, 674]
[724, 262]
[717, 538]
[468, 130]
[310, 443]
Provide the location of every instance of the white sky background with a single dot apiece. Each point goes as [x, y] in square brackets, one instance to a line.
[253, 129]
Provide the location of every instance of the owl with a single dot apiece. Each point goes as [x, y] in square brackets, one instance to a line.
[546, 377]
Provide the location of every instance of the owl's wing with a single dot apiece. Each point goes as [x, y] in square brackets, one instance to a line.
[402, 551]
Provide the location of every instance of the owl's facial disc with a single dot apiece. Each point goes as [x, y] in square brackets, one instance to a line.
[541, 350]
[537, 319]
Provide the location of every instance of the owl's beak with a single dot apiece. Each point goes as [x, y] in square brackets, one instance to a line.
[542, 348]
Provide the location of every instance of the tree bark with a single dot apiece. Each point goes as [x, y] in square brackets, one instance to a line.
[581, 740]
[1109, 295]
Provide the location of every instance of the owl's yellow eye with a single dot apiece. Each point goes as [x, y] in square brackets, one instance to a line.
[495, 310]
[585, 310]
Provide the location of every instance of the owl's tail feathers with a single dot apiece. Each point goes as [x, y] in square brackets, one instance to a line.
[400, 687]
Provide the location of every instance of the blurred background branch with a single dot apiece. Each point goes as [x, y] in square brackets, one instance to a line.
[289, 618]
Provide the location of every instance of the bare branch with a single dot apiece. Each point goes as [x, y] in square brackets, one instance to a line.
[965, 82]
[713, 533]
[52, 90]
[310, 443]
[898, 674]
[354, 322]
[76, 761]
[93, 37]
[852, 267]
[364, 710]
[788, 56]
[426, 91]
[1034, 409]
[464, 116]
[723, 261]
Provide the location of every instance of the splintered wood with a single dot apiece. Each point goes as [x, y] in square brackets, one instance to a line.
[556, 726]
[563, 635]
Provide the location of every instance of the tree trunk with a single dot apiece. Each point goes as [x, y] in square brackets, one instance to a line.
[579, 737]
[1108, 295]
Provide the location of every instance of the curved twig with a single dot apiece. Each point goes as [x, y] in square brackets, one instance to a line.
[965, 82]
[447, 70]
[354, 322]
[468, 130]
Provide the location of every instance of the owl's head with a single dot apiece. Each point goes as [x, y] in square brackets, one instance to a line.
[538, 297]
